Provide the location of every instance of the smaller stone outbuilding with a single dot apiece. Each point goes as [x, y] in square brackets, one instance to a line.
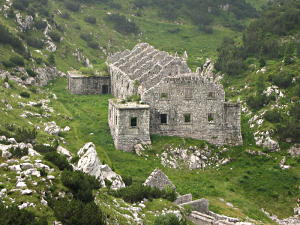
[86, 85]
[159, 180]
[129, 124]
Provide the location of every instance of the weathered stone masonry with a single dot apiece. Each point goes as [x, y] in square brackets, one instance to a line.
[174, 101]
[180, 103]
[80, 84]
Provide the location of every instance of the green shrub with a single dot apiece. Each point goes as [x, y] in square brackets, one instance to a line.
[282, 79]
[40, 24]
[93, 44]
[81, 184]
[65, 15]
[59, 160]
[137, 192]
[90, 19]
[72, 6]
[25, 94]
[34, 42]
[86, 37]
[169, 219]
[41, 148]
[256, 102]
[55, 36]
[75, 212]
[122, 24]
[12, 215]
[8, 38]
[273, 116]
[30, 72]
[17, 60]
[127, 180]
[18, 152]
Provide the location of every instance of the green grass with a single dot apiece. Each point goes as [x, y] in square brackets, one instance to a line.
[249, 182]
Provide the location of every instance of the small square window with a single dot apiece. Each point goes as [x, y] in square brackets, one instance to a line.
[163, 95]
[187, 118]
[163, 118]
[210, 117]
[188, 93]
[133, 121]
[211, 95]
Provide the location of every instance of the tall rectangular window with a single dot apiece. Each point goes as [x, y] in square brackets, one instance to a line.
[187, 118]
[116, 120]
[133, 121]
[163, 118]
[210, 117]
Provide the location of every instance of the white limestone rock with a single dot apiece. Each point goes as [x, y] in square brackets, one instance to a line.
[21, 184]
[26, 192]
[52, 128]
[294, 151]
[63, 151]
[89, 163]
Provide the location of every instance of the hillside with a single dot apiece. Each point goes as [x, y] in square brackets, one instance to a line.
[255, 47]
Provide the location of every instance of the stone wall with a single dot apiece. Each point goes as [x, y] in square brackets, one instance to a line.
[125, 135]
[200, 205]
[211, 118]
[89, 85]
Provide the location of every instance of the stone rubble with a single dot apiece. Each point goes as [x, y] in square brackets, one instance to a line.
[191, 157]
[159, 180]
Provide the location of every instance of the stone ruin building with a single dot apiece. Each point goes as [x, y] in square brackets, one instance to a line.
[157, 93]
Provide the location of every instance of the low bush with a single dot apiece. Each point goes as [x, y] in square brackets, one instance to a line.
[81, 184]
[75, 212]
[65, 15]
[12, 215]
[25, 94]
[256, 102]
[86, 37]
[169, 219]
[59, 160]
[19, 152]
[137, 192]
[282, 79]
[7, 37]
[72, 6]
[273, 116]
[34, 42]
[17, 60]
[30, 72]
[93, 44]
[41, 148]
[122, 24]
[40, 24]
[55, 36]
[90, 19]
[127, 180]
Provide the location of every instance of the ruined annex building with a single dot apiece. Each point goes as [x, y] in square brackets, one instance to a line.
[156, 93]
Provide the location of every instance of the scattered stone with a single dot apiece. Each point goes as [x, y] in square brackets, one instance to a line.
[21, 184]
[294, 151]
[158, 179]
[26, 192]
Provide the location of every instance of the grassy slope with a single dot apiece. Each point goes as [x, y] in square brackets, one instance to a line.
[248, 182]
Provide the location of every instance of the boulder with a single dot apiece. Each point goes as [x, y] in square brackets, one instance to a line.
[158, 179]
[294, 151]
[61, 150]
[89, 163]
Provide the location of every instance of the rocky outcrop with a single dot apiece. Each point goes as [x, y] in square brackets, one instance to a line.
[159, 180]
[42, 75]
[89, 163]
[25, 23]
[294, 151]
